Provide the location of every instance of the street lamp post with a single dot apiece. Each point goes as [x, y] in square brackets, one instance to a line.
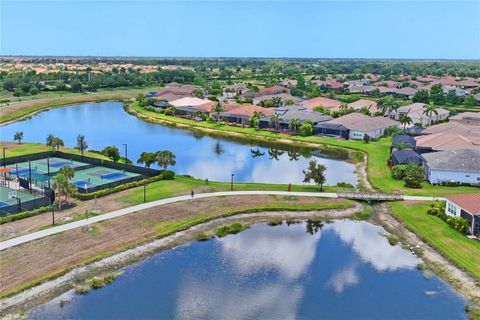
[4, 162]
[145, 192]
[231, 183]
[126, 155]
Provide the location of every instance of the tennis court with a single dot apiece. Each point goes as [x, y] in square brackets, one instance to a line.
[43, 166]
[7, 200]
[97, 176]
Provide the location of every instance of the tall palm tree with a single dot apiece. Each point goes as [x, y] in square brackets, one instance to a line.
[61, 186]
[57, 143]
[218, 108]
[275, 121]
[405, 120]
[430, 109]
[18, 136]
[67, 171]
[343, 108]
[165, 158]
[294, 124]
[388, 104]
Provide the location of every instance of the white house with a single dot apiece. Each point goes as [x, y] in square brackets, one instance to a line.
[416, 112]
[466, 206]
[460, 166]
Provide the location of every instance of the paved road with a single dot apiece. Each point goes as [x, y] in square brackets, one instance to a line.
[118, 213]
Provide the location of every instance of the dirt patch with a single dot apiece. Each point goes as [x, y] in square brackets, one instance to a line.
[457, 278]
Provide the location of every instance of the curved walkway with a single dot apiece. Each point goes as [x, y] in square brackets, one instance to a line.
[118, 213]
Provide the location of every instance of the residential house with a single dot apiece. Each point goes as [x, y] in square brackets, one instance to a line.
[364, 89]
[406, 156]
[402, 139]
[327, 103]
[356, 126]
[271, 91]
[416, 112]
[459, 166]
[466, 206]
[445, 141]
[190, 106]
[288, 83]
[284, 97]
[371, 105]
[233, 90]
[301, 113]
[469, 118]
[242, 114]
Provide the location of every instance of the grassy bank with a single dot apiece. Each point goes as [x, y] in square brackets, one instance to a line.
[14, 149]
[379, 174]
[464, 252]
[27, 107]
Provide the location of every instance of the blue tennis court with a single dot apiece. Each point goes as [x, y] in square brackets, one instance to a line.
[23, 172]
[83, 184]
[113, 176]
[60, 164]
[3, 204]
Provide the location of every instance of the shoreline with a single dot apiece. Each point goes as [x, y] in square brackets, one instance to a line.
[46, 291]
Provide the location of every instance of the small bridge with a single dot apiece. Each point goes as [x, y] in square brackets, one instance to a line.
[370, 196]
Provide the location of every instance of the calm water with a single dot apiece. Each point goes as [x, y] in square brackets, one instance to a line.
[346, 270]
[197, 155]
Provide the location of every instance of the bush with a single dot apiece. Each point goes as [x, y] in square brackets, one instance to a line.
[230, 229]
[22, 215]
[413, 176]
[399, 171]
[393, 240]
[170, 111]
[345, 185]
[459, 224]
[202, 237]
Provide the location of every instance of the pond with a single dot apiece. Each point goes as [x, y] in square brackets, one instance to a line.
[198, 155]
[308, 270]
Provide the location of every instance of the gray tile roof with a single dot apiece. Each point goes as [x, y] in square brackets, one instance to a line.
[456, 160]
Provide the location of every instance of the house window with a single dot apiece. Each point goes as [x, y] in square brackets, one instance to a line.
[451, 208]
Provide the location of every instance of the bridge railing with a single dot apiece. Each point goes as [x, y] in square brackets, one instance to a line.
[370, 196]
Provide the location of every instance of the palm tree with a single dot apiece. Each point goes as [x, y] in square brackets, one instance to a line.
[165, 158]
[67, 171]
[275, 121]
[294, 124]
[388, 104]
[218, 108]
[57, 143]
[18, 136]
[277, 102]
[49, 140]
[343, 108]
[405, 119]
[430, 109]
[148, 158]
[61, 186]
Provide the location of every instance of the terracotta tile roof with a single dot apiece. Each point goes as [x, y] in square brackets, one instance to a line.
[247, 111]
[370, 104]
[321, 101]
[454, 127]
[468, 202]
[445, 141]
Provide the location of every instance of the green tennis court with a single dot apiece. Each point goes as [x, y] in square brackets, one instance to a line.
[41, 166]
[6, 200]
[97, 176]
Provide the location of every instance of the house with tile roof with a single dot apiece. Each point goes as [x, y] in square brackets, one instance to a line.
[322, 101]
[416, 112]
[241, 114]
[459, 166]
[466, 206]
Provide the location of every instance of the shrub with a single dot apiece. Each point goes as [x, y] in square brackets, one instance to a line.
[202, 237]
[393, 239]
[459, 224]
[345, 185]
[22, 215]
[82, 289]
[399, 171]
[413, 176]
[230, 229]
[170, 111]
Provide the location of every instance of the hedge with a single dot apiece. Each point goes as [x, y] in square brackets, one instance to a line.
[22, 215]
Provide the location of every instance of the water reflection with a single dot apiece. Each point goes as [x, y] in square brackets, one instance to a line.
[198, 155]
[301, 271]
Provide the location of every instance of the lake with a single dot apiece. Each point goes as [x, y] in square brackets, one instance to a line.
[309, 270]
[198, 155]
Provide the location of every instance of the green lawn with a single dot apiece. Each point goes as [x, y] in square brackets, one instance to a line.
[464, 252]
[378, 153]
[15, 150]
[183, 185]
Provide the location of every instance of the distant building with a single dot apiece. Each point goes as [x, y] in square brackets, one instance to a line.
[460, 166]
[190, 106]
[322, 101]
[466, 206]
[242, 114]
[284, 97]
[295, 112]
[371, 105]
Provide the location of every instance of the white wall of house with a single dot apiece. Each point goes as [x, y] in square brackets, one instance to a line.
[358, 135]
[451, 209]
[436, 176]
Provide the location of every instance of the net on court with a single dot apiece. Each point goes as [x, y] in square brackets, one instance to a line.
[96, 176]
[9, 196]
[43, 166]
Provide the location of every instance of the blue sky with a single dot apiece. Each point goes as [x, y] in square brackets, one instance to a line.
[341, 29]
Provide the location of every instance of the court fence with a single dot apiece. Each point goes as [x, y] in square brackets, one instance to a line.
[25, 206]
